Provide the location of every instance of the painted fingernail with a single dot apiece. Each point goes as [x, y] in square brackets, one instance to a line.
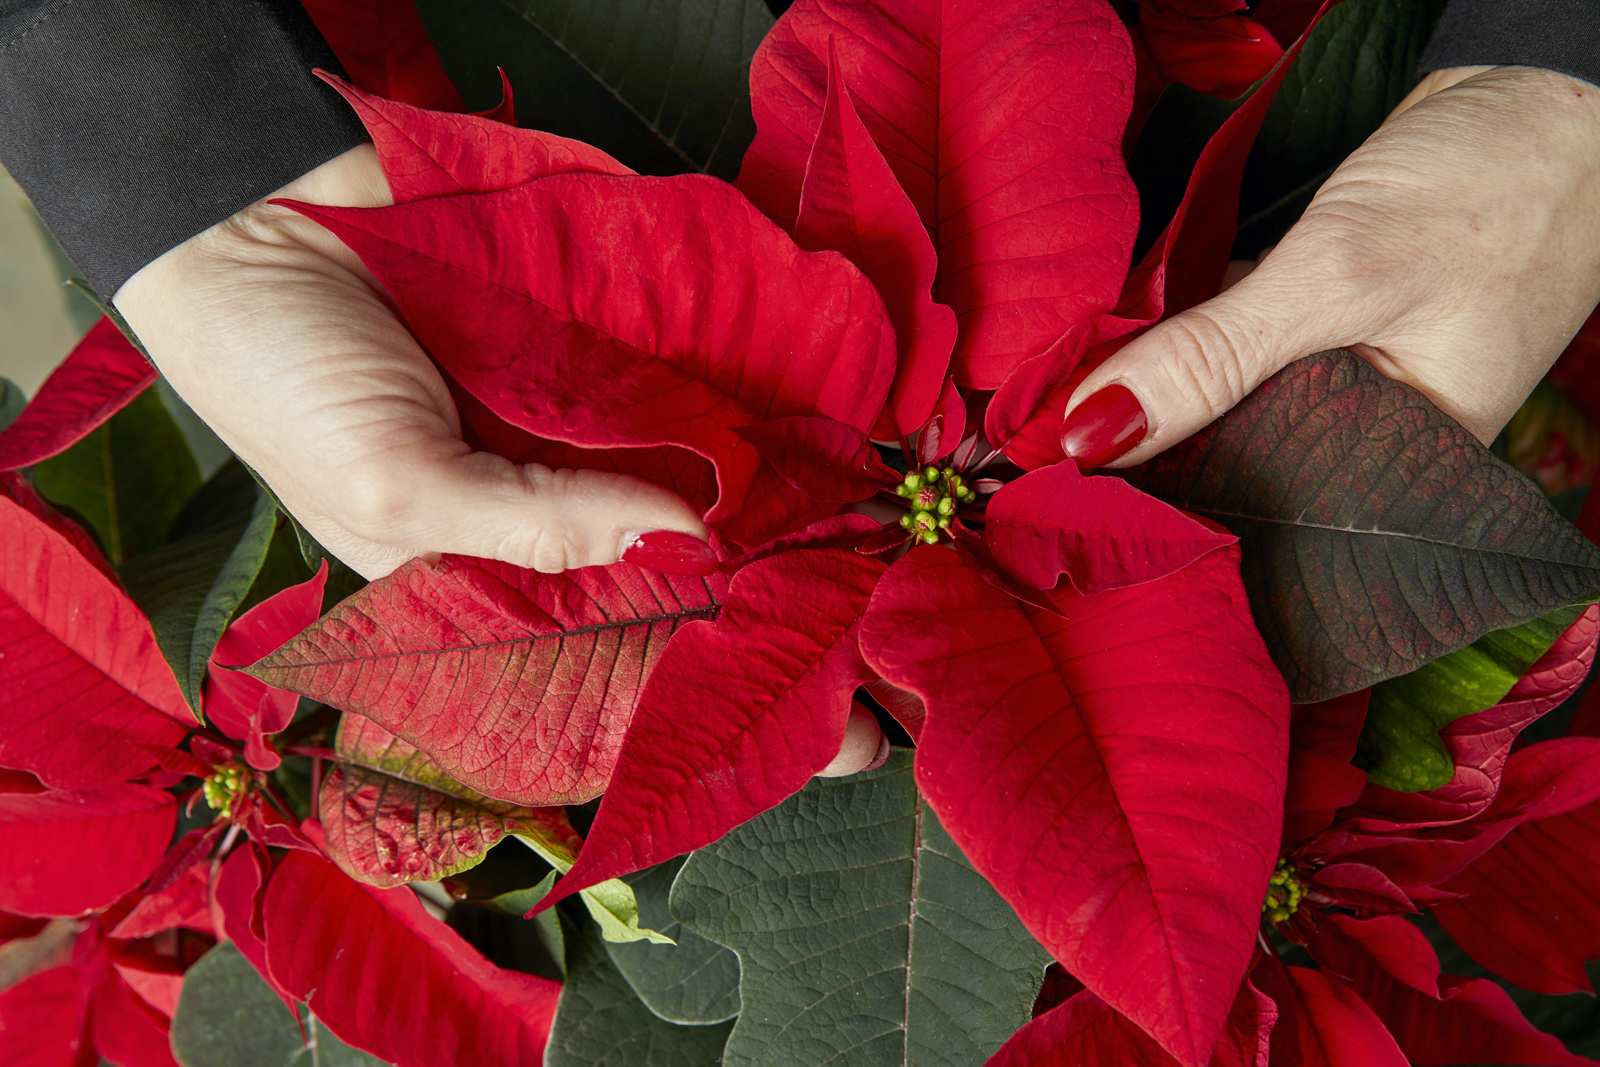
[881, 758]
[671, 552]
[1104, 427]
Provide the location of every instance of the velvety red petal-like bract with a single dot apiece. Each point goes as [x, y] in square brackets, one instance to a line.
[102, 702]
[851, 202]
[1003, 122]
[384, 47]
[246, 708]
[1437, 1020]
[390, 979]
[1529, 910]
[738, 715]
[632, 312]
[518, 684]
[1064, 754]
[100, 377]
[1085, 1032]
[43, 836]
[1479, 744]
[1100, 532]
[1323, 1023]
[126, 1030]
[44, 1021]
[434, 153]
[1221, 55]
[1322, 780]
[1183, 268]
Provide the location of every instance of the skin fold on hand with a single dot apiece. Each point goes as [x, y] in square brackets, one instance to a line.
[1458, 250]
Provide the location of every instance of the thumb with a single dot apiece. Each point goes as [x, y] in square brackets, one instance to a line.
[532, 516]
[1183, 373]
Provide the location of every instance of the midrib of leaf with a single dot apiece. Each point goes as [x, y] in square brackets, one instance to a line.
[1396, 534]
[614, 90]
[711, 611]
[911, 928]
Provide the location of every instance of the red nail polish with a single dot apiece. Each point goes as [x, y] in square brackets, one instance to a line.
[1104, 427]
[671, 552]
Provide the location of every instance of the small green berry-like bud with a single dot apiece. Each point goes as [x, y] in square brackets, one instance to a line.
[930, 537]
[906, 520]
[944, 522]
[931, 474]
[913, 482]
[947, 506]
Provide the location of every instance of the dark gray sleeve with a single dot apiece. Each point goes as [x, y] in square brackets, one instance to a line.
[135, 124]
[1559, 35]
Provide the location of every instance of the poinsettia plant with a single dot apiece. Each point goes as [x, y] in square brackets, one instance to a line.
[1212, 761]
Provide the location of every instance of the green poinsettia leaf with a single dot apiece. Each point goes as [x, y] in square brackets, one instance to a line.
[193, 587]
[1378, 534]
[1400, 743]
[663, 85]
[12, 401]
[127, 481]
[863, 935]
[1358, 63]
[391, 816]
[600, 1021]
[695, 981]
[228, 1015]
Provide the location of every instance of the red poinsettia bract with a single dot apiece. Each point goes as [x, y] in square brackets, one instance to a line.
[934, 203]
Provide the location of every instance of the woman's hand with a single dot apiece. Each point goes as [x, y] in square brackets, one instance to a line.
[1458, 250]
[274, 333]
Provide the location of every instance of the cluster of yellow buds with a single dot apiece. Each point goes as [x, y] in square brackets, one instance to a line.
[224, 786]
[934, 495]
[1284, 893]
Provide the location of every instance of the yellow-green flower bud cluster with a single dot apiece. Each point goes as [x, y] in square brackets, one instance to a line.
[1284, 894]
[934, 495]
[224, 787]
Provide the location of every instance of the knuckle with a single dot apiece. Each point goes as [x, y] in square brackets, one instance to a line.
[1207, 362]
[379, 505]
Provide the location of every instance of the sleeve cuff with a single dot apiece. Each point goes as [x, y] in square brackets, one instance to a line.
[135, 127]
[1559, 35]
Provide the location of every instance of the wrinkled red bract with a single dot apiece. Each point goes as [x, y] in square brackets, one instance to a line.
[1100, 533]
[55, 1006]
[1052, 727]
[1322, 1022]
[1003, 123]
[117, 833]
[390, 979]
[100, 377]
[518, 684]
[851, 202]
[627, 312]
[739, 714]
[102, 702]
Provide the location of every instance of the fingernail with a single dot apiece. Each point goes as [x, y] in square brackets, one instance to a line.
[881, 758]
[671, 552]
[1104, 427]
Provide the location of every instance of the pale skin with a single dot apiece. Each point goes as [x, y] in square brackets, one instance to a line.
[1459, 250]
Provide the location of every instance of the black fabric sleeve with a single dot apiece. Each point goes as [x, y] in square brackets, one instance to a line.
[135, 124]
[1561, 35]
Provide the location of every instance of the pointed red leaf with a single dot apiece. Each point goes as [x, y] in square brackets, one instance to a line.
[67, 853]
[1183, 268]
[236, 898]
[1360, 888]
[1101, 533]
[390, 979]
[246, 708]
[1479, 744]
[100, 377]
[1323, 1023]
[184, 901]
[391, 816]
[1529, 910]
[44, 1021]
[384, 47]
[1068, 755]
[518, 684]
[101, 699]
[1084, 1031]
[1323, 740]
[127, 1030]
[1438, 1020]
[1003, 123]
[431, 153]
[851, 202]
[769, 684]
[634, 312]
[1221, 55]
